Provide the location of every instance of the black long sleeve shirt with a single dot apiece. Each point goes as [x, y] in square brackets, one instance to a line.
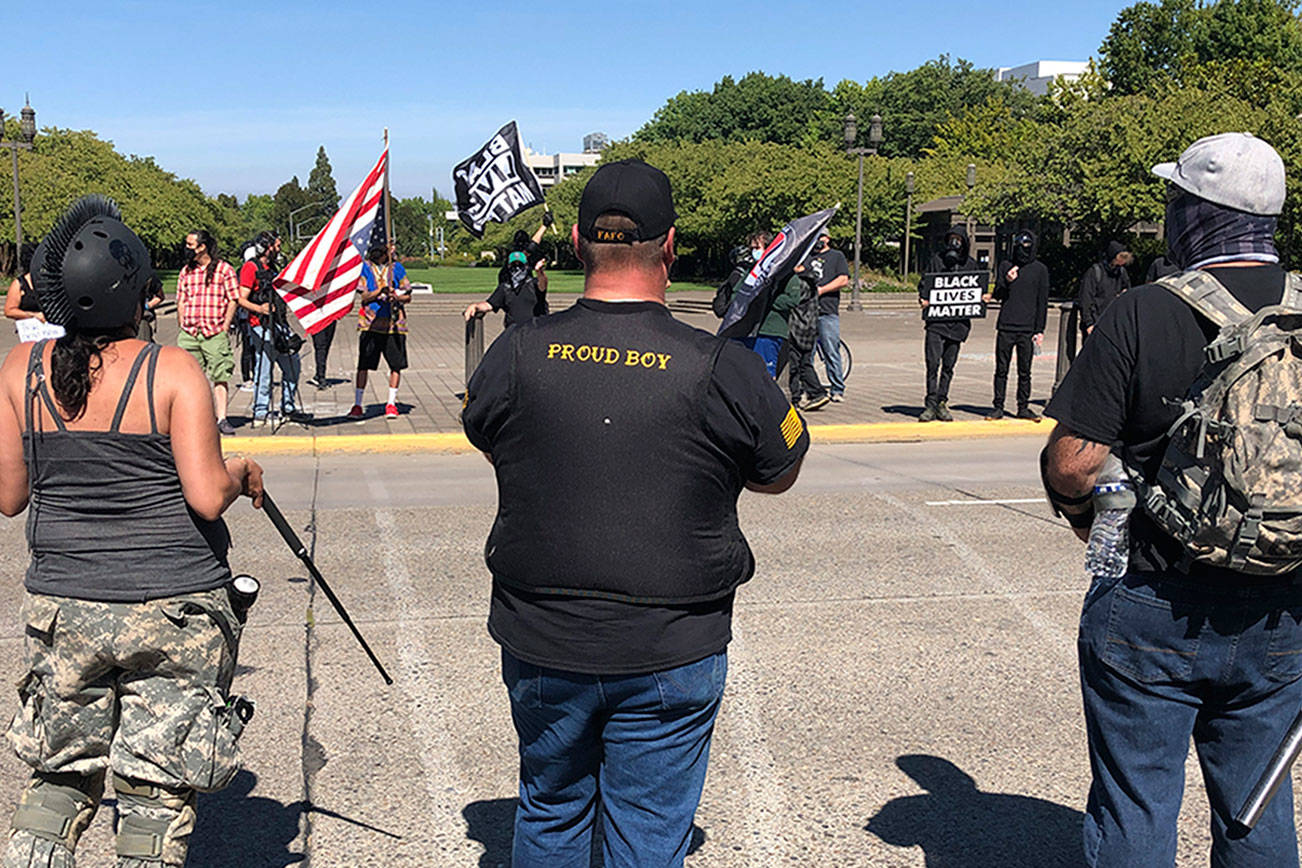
[1025, 300]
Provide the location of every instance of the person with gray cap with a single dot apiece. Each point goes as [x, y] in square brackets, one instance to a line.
[621, 439]
[1185, 640]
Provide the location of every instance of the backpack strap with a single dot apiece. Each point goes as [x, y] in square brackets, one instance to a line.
[1206, 295]
[1292, 299]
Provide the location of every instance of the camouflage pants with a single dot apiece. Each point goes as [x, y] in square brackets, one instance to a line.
[141, 688]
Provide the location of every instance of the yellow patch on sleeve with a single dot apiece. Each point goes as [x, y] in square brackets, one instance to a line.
[792, 427]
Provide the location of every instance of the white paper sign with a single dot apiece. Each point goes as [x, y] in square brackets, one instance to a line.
[33, 329]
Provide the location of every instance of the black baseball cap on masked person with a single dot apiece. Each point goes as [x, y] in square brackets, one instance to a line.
[633, 188]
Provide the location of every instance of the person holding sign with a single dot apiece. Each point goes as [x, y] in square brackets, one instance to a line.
[947, 319]
[1023, 287]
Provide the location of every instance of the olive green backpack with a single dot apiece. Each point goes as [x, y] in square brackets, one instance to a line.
[1230, 484]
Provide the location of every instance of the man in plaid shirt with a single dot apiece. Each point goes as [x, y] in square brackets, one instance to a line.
[206, 291]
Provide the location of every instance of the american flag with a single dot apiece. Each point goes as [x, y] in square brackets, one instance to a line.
[318, 286]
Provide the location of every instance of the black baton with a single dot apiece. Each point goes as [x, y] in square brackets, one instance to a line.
[296, 545]
[1276, 771]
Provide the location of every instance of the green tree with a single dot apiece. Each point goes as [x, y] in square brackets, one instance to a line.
[321, 183]
[756, 107]
[914, 104]
[290, 197]
[1156, 44]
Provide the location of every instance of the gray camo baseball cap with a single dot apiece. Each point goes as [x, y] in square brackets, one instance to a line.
[1237, 170]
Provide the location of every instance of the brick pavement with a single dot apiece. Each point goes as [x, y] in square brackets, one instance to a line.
[885, 384]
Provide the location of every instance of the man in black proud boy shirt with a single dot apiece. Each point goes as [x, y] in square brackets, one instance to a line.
[621, 439]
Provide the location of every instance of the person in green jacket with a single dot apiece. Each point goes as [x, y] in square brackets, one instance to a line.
[769, 338]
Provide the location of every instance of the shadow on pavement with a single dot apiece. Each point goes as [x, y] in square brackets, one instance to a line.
[903, 410]
[490, 823]
[237, 830]
[956, 824]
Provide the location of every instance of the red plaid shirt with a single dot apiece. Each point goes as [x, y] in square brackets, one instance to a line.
[203, 305]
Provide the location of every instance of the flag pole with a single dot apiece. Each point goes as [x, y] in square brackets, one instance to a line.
[388, 212]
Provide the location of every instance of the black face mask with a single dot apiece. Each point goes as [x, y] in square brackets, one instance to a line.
[189, 256]
[952, 258]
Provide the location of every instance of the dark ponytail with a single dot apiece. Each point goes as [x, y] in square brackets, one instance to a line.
[205, 239]
[75, 360]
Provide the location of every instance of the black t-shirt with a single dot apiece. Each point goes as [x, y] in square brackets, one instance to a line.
[1143, 355]
[827, 266]
[621, 439]
[1025, 301]
[521, 303]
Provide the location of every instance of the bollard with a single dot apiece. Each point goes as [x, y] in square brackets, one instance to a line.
[474, 344]
[1068, 318]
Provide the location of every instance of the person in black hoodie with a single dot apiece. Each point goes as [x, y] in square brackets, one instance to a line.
[943, 339]
[1022, 285]
[1102, 283]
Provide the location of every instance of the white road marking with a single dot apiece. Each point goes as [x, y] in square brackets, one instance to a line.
[445, 782]
[740, 724]
[1061, 643]
[972, 502]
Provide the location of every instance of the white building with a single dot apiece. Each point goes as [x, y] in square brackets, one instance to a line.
[551, 169]
[1037, 76]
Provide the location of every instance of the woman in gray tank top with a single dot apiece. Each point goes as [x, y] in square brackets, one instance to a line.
[132, 631]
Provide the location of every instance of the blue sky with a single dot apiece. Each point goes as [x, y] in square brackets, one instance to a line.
[238, 95]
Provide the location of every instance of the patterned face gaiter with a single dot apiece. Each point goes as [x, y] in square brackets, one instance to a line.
[1199, 232]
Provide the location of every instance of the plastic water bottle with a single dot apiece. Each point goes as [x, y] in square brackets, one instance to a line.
[1108, 552]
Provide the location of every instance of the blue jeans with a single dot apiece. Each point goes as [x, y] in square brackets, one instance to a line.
[767, 348]
[829, 347]
[264, 352]
[633, 747]
[1163, 658]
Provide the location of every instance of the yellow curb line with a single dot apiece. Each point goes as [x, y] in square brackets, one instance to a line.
[455, 442]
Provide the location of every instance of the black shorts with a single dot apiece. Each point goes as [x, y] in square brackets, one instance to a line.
[371, 345]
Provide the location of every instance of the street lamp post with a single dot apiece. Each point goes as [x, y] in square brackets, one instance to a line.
[26, 134]
[908, 221]
[971, 182]
[850, 130]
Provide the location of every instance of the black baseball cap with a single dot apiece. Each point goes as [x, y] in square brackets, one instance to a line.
[633, 188]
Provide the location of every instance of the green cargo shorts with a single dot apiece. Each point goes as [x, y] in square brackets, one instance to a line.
[213, 354]
[142, 688]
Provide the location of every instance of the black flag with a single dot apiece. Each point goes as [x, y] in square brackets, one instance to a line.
[494, 183]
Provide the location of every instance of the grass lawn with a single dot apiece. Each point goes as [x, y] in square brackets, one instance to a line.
[482, 281]
[475, 281]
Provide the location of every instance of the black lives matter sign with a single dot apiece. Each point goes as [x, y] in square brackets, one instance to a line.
[954, 295]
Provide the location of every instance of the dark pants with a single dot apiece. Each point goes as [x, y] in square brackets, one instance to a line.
[248, 358]
[1004, 344]
[321, 348]
[626, 751]
[1164, 659]
[941, 353]
[803, 378]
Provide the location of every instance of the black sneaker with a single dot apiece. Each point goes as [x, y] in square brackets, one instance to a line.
[942, 412]
[996, 413]
[1028, 414]
[929, 413]
[225, 427]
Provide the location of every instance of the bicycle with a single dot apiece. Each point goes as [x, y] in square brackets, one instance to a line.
[847, 360]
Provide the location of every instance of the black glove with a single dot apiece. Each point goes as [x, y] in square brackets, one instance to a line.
[548, 219]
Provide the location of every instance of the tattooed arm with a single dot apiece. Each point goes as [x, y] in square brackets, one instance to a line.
[1069, 466]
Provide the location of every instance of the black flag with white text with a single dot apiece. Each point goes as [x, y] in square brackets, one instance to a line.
[494, 183]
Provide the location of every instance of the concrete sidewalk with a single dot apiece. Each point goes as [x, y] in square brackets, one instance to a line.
[886, 382]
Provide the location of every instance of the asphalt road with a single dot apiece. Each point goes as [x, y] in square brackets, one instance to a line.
[902, 685]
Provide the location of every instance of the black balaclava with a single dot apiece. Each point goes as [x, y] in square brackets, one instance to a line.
[1024, 247]
[956, 247]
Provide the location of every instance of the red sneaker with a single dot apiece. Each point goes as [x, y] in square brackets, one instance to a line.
[356, 412]
[391, 411]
